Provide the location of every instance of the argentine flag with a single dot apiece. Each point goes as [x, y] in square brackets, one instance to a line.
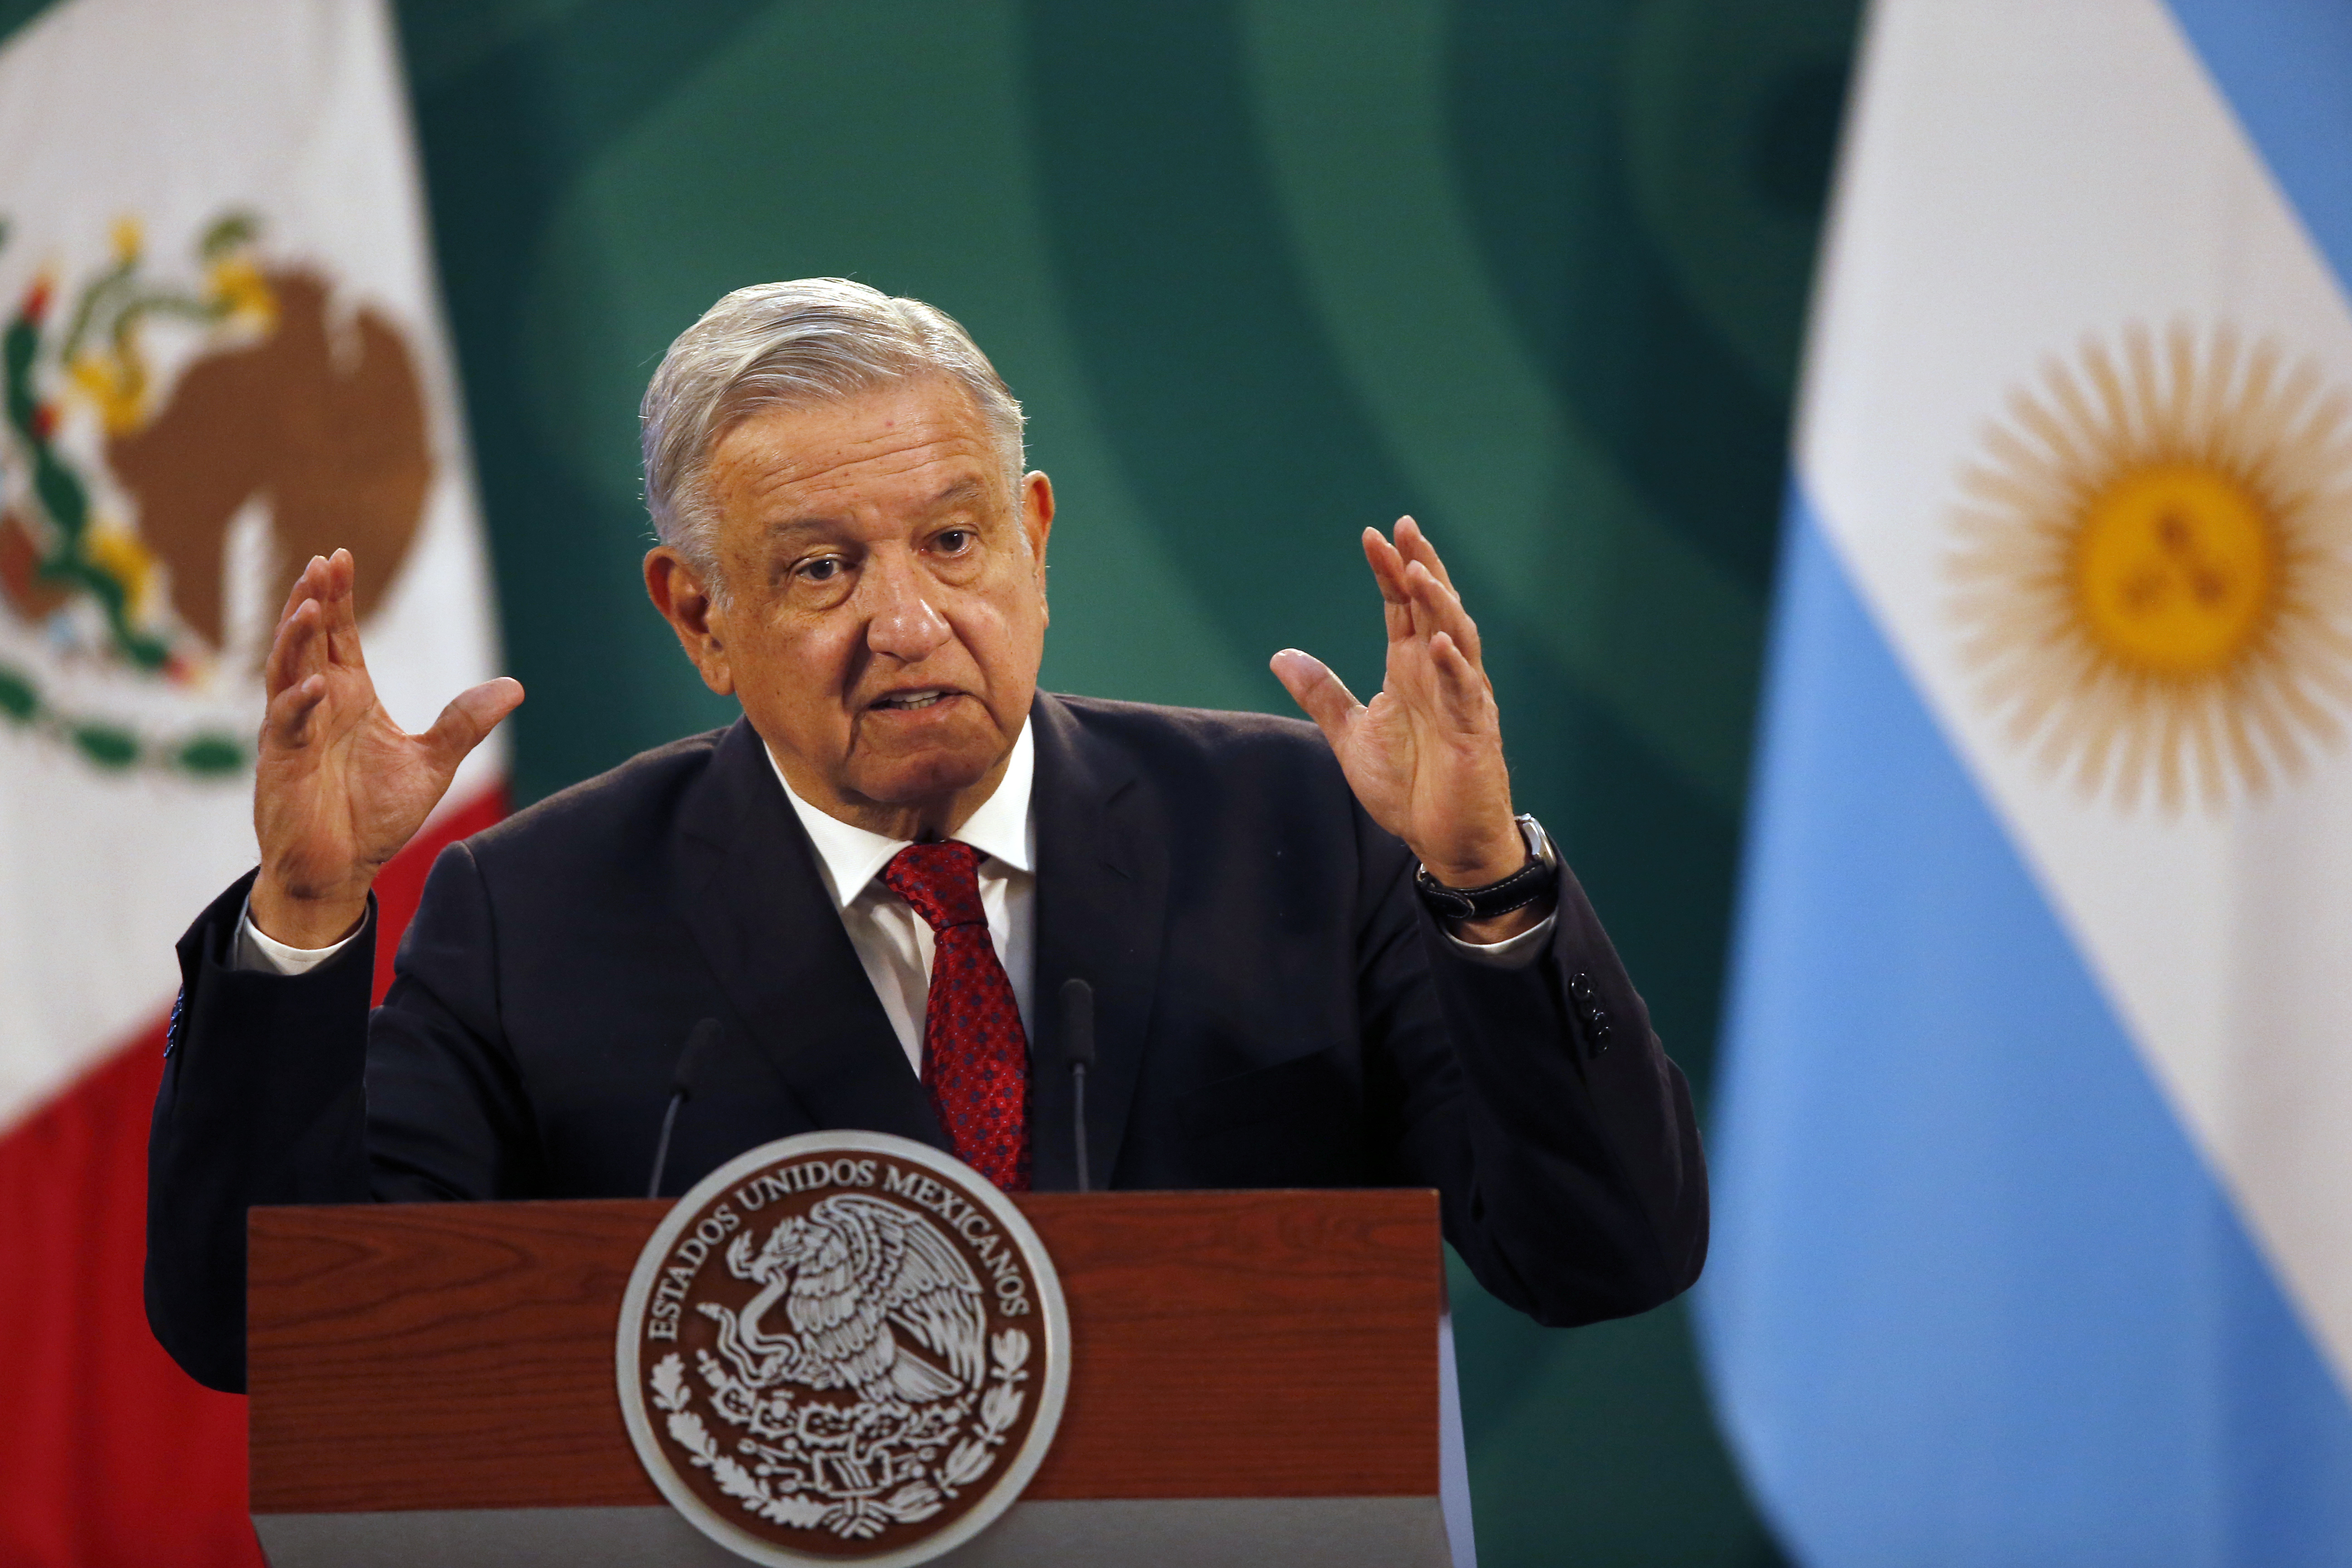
[2034, 1145]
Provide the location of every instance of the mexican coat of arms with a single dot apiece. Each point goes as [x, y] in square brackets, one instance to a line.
[843, 1346]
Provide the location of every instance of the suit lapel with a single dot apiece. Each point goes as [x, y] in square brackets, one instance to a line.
[1102, 893]
[749, 889]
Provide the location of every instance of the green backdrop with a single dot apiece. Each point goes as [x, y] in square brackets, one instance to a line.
[1264, 271]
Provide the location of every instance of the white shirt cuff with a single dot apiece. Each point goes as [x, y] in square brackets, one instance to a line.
[1512, 951]
[259, 951]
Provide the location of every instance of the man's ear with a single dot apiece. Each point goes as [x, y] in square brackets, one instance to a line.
[1037, 523]
[686, 603]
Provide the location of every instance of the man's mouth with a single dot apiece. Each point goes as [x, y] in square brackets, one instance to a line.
[905, 701]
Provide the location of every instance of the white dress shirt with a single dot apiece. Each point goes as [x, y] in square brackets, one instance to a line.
[892, 941]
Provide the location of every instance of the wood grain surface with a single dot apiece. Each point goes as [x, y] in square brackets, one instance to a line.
[1226, 1344]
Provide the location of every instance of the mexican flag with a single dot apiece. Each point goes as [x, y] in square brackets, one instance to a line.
[223, 354]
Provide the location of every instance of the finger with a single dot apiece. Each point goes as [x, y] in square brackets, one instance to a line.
[1388, 571]
[1388, 566]
[1413, 545]
[1461, 686]
[1322, 695]
[471, 715]
[305, 587]
[1438, 607]
[286, 720]
[341, 573]
[294, 652]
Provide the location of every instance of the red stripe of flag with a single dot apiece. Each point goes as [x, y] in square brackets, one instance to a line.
[115, 1458]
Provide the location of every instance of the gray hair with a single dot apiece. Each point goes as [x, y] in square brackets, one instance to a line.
[793, 345]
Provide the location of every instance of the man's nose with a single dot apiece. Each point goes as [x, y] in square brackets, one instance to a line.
[901, 621]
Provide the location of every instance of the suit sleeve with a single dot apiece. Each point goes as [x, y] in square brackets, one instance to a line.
[261, 1103]
[282, 1090]
[1537, 1100]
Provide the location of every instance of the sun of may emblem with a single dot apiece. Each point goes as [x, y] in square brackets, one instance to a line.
[2150, 577]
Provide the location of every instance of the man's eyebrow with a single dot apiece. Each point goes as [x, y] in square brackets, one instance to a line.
[785, 528]
[962, 490]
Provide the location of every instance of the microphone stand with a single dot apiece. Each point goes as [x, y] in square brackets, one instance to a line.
[1078, 1049]
[698, 1045]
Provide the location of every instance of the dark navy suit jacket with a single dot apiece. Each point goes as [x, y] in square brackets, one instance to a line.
[1274, 1008]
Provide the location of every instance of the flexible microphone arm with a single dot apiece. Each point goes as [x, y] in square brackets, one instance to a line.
[1079, 1050]
[699, 1046]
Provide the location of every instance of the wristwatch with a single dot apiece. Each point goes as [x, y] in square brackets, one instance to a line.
[1535, 879]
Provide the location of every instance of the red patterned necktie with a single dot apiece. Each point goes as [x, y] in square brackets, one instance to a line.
[975, 1053]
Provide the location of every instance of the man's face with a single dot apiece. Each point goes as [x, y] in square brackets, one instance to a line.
[885, 607]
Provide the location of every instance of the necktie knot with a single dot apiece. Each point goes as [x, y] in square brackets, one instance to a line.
[941, 881]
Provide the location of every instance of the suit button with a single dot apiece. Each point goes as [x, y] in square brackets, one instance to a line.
[1579, 985]
[1600, 1039]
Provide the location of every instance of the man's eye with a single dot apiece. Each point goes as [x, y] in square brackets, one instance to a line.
[956, 541]
[821, 570]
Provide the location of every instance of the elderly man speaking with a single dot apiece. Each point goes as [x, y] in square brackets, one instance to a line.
[1318, 960]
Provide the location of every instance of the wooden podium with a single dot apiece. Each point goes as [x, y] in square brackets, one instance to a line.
[1255, 1379]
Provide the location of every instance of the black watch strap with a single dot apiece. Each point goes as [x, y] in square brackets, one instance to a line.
[1535, 881]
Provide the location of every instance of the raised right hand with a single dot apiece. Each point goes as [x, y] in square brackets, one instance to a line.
[340, 788]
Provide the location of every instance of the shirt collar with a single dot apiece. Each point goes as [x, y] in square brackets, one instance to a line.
[850, 857]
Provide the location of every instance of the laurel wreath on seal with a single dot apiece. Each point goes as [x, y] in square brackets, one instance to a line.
[803, 1465]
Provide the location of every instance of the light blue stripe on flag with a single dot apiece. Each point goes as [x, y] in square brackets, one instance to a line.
[2286, 66]
[1974, 1299]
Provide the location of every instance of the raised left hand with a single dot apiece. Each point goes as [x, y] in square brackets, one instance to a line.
[1425, 755]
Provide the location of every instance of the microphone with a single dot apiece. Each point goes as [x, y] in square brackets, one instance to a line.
[1079, 1050]
[699, 1046]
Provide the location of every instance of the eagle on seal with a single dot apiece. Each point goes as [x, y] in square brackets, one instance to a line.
[859, 1278]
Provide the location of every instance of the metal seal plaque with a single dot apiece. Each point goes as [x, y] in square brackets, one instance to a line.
[843, 1347]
